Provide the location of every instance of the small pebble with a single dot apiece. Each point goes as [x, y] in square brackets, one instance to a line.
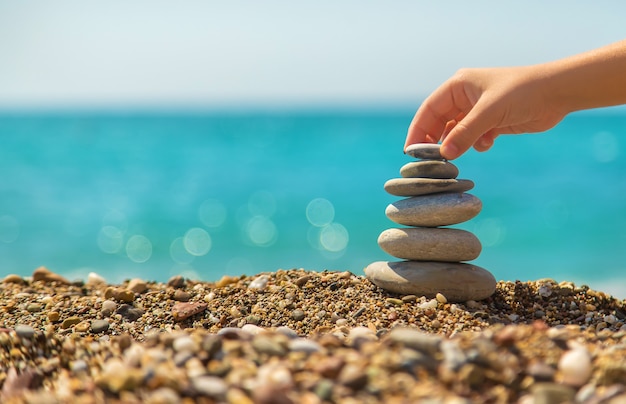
[83, 326]
[415, 339]
[25, 331]
[54, 316]
[185, 343]
[304, 345]
[298, 315]
[176, 281]
[181, 296]
[108, 307]
[253, 329]
[98, 326]
[288, 332]
[70, 321]
[575, 367]
[259, 283]
[125, 295]
[34, 307]
[210, 386]
[394, 301]
[182, 311]
[426, 151]
[137, 285]
[12, 278]
[46, 276]
[93, 279]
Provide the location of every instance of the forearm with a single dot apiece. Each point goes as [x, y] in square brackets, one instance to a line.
[589, 80]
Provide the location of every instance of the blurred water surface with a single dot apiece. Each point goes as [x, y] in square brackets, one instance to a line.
[152, 195]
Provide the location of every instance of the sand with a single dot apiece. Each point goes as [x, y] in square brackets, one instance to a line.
[296, 336]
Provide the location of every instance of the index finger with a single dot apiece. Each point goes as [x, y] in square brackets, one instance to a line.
[445, 104]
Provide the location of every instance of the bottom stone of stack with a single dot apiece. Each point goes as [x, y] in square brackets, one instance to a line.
[458, 282]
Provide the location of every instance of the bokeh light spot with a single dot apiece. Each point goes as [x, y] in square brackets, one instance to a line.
[197, 241]
[110, 239]
[179, 253]
[261, 231]
[320, 212]
[334, 237]
[138, 248]
[490, 232]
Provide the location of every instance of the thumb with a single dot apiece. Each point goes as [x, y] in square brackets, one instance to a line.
[479, 120]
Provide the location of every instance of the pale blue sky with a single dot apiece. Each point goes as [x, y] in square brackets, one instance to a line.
[118, 54]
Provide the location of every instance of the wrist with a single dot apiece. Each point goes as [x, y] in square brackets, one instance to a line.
[590, 80]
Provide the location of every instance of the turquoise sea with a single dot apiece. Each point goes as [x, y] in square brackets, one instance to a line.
[206, 194]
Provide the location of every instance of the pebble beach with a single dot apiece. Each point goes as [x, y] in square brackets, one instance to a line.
[297, 336]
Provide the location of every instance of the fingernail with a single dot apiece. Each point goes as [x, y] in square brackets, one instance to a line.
[449, 151]
[485, 142]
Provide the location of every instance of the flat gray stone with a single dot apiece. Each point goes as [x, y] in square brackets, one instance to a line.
[434, 210]
[425, 186]
[429, 169]
[430, 244]
[425, 151]
[456, 281]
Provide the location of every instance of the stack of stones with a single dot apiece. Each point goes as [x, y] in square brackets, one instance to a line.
[434, 255]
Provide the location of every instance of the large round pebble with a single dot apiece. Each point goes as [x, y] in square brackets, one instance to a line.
[430, 244]
[458, 282]
[425, 151]
[425, 186]
[429, 169]
[434, 210]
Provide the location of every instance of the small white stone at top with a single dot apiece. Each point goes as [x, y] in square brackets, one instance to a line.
[426, 151]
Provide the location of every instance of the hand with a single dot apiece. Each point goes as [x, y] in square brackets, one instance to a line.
[474, 106]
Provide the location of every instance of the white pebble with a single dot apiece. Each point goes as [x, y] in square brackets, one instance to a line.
[304, 345]
[185, 343]
[441, 298]
[611, 319]
[431, 304]
[133, 355]
[362, 333]
[210, 385]
[341, 322]
[259, 283]
[253, 329]
[95, 279]
[275, 375]
[575, 367]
